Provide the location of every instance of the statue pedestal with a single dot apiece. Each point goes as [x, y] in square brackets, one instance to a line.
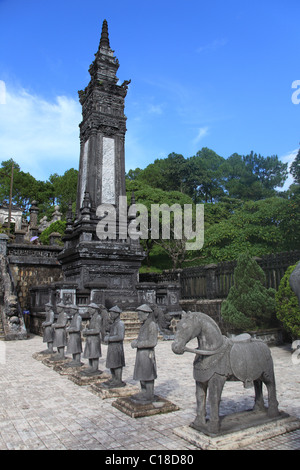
[41, 356]
[138, 410]
[66, 368]
[239, 430]
[80, 379]
[52, 361]
[104, 392]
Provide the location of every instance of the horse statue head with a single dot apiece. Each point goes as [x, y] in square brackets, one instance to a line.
[197, 325]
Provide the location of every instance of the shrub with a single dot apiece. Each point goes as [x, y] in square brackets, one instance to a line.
[58, 226]
[287, 305]
[249, 304]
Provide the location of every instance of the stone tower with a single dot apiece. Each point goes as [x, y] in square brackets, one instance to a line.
[100, 270]
[102, 131]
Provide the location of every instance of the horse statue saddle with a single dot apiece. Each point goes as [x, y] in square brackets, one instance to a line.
[247, 357]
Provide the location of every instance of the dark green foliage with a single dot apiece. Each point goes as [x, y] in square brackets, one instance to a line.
[59, 226]
[287, 306]
[295, 168]
[249, 304]
[206, 176]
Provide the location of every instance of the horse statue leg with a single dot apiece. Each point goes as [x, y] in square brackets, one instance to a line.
[268, 379]
[201, 393]
[259, 399]
[215, 388]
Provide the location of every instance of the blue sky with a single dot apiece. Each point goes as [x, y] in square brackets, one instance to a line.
[203, 74]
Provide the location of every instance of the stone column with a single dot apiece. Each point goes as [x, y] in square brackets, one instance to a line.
[33, 224]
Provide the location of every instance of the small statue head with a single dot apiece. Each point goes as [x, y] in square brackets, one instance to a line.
[93, 308]
[114, 313]
[143, 312]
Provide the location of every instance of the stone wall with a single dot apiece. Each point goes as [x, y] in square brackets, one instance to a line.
[209, 307]
[32, 266]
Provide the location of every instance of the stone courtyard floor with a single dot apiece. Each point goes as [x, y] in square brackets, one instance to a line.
[41, 409]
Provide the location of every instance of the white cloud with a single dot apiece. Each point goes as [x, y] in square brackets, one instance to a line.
[41, 136]
[202, 132]
[155, 109]
[288, 158]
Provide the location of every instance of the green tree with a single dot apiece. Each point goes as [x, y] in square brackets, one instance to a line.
[287, 306]
[253, 176]
[59, 226]
[259, 227]
[206, 179]
[295, 168]
[147, 195]
[168, 174]
[25, 189]
[25, 186]
[249, 305]
[269, 171]
[64, 188]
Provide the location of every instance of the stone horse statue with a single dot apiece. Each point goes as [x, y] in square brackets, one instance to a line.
[218, 359]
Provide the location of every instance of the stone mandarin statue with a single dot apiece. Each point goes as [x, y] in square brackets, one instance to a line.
[115, 359]
[92, 333]
[60, 335]
[145, 363]
[48, 336]
[74, 345]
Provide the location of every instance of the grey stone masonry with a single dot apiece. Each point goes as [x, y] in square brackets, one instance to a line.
[112, 264]
[102, 131]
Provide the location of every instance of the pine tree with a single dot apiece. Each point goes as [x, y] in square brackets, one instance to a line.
[295, 168]
[249, 304]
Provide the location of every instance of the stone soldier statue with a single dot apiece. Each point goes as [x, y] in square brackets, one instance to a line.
[92, 333]
[115, 359]
[60, 335]
[48, 336]
[74, 345]
[145, 363]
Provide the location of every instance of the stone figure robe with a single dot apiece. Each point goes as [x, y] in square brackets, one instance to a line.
[48, 335]
[92, 348]
[60, 334]
[115, 352]
[74, 342]
[145, 363]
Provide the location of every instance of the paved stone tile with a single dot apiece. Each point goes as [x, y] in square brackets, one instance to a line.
[41, 409]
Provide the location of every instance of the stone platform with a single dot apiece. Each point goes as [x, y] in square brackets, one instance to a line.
[41, 356]
[104, 392]
[81, 380]
[50, 361]
[66, 369]
[239, 430]
[136, 410]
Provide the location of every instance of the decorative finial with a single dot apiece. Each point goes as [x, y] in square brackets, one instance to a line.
[104, 41]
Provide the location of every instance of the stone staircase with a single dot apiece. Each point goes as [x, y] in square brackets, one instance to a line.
[132, 325]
